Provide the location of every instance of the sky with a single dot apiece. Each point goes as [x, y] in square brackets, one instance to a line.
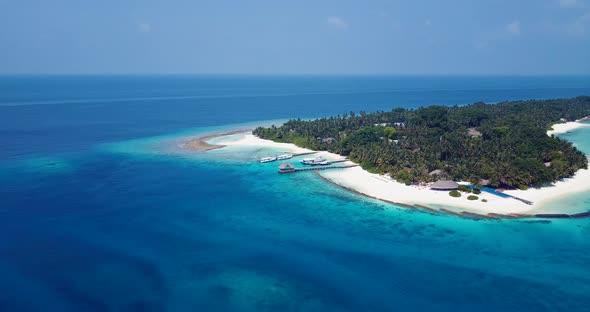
[368, 37]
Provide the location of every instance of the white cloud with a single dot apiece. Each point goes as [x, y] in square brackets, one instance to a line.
[144, 27]
[336, 22]
[513, 28]
[569, 3]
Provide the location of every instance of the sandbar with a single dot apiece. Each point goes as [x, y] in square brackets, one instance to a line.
[201, 145]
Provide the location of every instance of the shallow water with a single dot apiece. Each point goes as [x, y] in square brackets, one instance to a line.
[114, 220]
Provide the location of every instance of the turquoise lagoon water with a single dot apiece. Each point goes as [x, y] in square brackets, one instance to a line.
[100, 210]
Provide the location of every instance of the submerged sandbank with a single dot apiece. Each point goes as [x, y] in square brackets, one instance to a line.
[201, 144]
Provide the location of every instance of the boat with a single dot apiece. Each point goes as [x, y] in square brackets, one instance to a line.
[267, 159]
[284, 156]
[307, 161]
[315, 161]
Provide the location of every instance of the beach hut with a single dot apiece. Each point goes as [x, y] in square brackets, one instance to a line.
[286, 168]
[444, 185]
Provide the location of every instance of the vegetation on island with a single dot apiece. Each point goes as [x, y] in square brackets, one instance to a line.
[500, 145]
[464, 188]
[454, 193]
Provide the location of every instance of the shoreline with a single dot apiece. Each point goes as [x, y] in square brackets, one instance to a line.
[421, 197]
[566, 127]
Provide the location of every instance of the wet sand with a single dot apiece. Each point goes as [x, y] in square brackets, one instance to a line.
[201, 145]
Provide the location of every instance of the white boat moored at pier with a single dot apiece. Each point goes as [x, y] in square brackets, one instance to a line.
[315, 161]
[284, 156]
[267, 159]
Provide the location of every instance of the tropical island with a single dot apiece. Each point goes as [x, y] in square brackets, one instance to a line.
[499, 145]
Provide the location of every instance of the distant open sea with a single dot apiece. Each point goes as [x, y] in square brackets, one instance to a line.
[99, 213]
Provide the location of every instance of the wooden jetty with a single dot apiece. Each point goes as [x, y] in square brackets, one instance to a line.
[303, 154]
[317, 168]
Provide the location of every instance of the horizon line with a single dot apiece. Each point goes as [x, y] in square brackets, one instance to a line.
[300, 74]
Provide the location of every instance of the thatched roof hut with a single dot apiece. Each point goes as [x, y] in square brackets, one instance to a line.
[286, 168]
[444, 185]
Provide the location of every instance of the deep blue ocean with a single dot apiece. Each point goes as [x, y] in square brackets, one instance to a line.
[98, 212]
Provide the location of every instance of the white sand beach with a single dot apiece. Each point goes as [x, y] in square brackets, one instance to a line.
[566, 127]
[245, 139]
[250, 140]
[578, 183]
[382, 187]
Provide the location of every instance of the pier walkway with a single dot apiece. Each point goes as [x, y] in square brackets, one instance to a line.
[316, 168]
[303, 154]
